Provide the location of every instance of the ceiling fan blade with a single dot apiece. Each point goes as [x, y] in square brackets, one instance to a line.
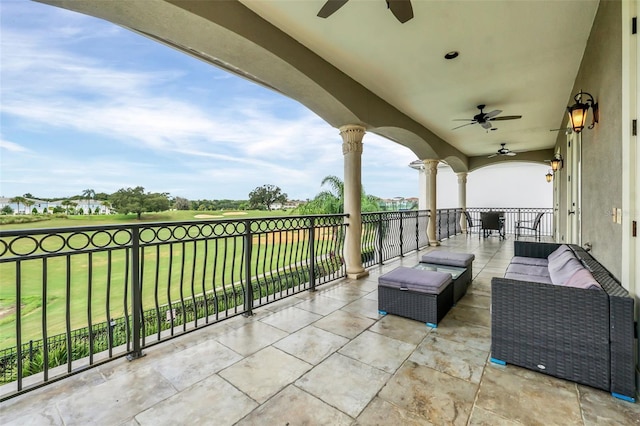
[507, 117]
[492, 113]
[401, 9]
[330, 7]
[492, 155]
[510, 153]
[468, 124]
[463, 119]
[486, 125]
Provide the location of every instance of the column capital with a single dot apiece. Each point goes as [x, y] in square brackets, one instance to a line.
[352, 135]
[431, 166]
[462, 177]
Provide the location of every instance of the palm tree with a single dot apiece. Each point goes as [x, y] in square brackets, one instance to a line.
[27, 203]
[18, 200]
[67, 204]
[331, 201]
[88, 194]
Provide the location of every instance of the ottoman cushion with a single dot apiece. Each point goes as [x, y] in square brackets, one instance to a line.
[416, 280]
[441, 257]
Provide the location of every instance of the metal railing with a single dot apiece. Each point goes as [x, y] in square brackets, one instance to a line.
[386, 235]
[514, 215]
[86, 295]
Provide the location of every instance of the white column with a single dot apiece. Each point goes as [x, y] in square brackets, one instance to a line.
[431, 169]
[423, 204]
[462, 199]
[352, 150]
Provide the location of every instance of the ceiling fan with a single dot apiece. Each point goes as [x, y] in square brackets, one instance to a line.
[401, 9]
[503, 151]
[484, 119]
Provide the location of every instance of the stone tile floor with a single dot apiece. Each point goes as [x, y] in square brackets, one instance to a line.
[328, 358]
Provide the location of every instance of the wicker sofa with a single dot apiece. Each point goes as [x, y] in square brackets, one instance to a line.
[585, 335]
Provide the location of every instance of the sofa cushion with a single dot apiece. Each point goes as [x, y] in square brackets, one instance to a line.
[518, 268]
[558, 261]
[560, 275]
[524, 277]
[533, 261]
[562, 249]
[582, 278]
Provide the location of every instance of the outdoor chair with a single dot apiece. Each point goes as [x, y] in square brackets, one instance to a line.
[470, 224]
[531, 225]
[492, 221]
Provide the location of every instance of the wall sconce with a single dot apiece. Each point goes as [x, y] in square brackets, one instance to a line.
[578, 111]
[557, 162]
[549, 175]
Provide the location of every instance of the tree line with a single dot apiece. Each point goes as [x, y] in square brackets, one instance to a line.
[137, 200]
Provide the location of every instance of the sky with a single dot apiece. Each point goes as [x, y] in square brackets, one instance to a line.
[85, 104]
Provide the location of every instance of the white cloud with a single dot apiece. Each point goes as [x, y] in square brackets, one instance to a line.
[12, 146]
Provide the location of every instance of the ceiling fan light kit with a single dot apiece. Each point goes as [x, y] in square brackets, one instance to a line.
[578, 111]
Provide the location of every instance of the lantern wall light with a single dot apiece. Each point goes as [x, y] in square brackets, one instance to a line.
[578, 111]
[557, 162]
[549, 175]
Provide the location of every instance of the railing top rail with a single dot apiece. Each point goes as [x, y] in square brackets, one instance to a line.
[79, 229]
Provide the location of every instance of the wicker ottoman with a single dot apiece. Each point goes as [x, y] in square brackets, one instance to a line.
[424, 296]
[460, 260]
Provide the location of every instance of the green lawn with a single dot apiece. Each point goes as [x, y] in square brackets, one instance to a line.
[171, 271]
[115, 219]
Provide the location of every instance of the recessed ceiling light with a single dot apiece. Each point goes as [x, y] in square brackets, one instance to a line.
[451, 55]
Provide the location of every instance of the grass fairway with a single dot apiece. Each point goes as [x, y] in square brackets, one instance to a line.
[171, 271]
[116, 219]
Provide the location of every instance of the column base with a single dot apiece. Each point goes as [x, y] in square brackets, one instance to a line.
[434, 243]
[357, 275]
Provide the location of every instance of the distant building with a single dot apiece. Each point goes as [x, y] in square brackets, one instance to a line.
[399, 203]
[43, 206]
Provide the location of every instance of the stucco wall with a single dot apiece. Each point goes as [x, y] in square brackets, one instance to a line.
[601, 75]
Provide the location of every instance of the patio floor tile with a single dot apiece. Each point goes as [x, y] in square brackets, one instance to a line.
[211, 401]
[265, 373]
[450, 357]
[187, 367]
[400, 328]
[437, 397]
[344, 323]
[358, 383]
[381, 412]
[311, 344]
[251, 337]
[291, 319]
[293, 406]
[379, 351]
[117, 399]
[528, 397]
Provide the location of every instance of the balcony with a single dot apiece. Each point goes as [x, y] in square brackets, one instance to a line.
[327, 357]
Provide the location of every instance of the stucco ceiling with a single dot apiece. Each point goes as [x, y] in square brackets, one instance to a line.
[517, 56]
[362, 66]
